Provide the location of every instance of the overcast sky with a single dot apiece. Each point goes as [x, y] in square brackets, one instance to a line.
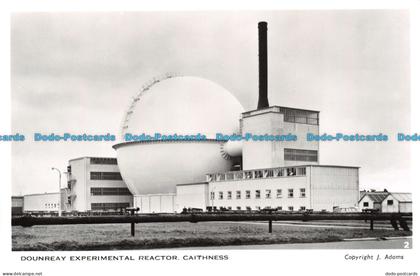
[76, 72]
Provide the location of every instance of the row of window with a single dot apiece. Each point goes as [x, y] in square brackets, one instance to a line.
[109, 206]
[105, 176]
[51, 205]
[254, 174]
[388, 202]
[279, 208]
[109, 191]
[300, 155]
[103, 161]
[257, 194]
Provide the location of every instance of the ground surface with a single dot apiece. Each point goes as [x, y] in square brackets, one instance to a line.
[180, 234]
[380, 243]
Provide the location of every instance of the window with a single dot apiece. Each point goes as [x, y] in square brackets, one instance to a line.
[105, 176]
[229, 195]
[300, 155]
[103, 161]
[229, 208]
[365, 204]
[267, 193]
[301, 171]
[390, 202]
[257, 208]
[109, 206]
[238, 194]
[300, 116]
[99, 191]
[290, 193]
[220, 195]
[212, 195]
[278, 172]
[257, 194]
[238, 208]
[302, 208]
[279, 208]
[248, 208]
[258, 174]
[247, 194]
[279, 193]
[290, 208]
[302, 192]
[291, 171]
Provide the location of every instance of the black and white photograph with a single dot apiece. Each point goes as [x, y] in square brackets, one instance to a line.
[186, 131]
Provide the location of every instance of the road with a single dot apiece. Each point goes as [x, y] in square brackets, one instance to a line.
[390, 243]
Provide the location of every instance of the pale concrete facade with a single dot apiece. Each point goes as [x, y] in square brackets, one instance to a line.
[95, 184]
[276, 120]
[155, 203]
[192, 195]
[287, 188]
[46, 202]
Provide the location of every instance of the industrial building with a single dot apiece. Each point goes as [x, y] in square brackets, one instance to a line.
[386, 202]
[42, 202]
[93, 184]
[169, 175]
[17, 205]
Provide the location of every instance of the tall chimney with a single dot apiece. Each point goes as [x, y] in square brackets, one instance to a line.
[262, 56]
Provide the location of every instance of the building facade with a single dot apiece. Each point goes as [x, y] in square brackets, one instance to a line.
[45, 202]
[17, 205]
[281, 174]
[95, 184]
[285, 188]
[387, 202]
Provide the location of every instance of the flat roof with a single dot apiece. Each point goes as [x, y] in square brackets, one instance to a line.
[278, 106]
[188, 184]
[50, 193]
[296, 166]
[83, 157]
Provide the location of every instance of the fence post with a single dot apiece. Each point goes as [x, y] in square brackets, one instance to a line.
[133, 225]
[270, 226]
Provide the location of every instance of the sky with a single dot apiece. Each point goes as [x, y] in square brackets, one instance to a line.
[77, 73]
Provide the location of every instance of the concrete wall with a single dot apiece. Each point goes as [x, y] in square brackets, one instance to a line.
[334, 186]
[283, 183]
[79, 188]
[17, 205]
[192, 196]
[155, 203]
[83, 199]
[41, 202]
[270, 154]
[105, 184]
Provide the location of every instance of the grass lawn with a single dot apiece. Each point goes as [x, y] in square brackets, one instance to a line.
[180, 234]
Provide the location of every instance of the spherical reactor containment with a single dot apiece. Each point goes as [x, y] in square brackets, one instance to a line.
[183, 106]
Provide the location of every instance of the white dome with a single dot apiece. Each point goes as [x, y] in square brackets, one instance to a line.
[183, 106]
[186, 106]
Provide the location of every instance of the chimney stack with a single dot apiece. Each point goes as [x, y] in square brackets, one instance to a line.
[263, 68]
